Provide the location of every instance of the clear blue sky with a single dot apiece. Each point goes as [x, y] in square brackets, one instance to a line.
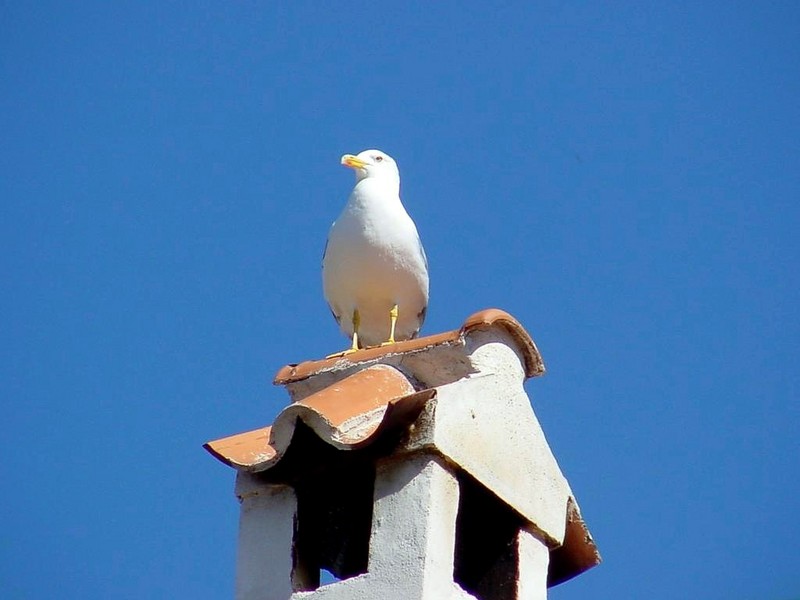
[624, 179]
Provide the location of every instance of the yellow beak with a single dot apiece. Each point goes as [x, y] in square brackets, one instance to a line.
[348, 160]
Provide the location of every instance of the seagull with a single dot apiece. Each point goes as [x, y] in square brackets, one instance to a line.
[374, 269]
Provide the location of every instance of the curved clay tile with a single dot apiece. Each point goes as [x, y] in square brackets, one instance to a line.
[577, 554]
[491, 317]
[349, 414]
[494, 317]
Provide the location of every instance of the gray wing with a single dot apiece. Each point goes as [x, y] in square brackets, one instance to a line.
[336, 317]
[421, 315]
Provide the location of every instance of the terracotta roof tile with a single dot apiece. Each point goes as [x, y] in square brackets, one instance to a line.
[350, 414]
[577, 554]
[244, 450]
[492, 317]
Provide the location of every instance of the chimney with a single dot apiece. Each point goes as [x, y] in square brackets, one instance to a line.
[411, 471]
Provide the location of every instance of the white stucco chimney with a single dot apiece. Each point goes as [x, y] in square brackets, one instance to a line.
[411, 471]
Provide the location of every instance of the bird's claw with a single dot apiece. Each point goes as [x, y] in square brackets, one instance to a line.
[342, 353]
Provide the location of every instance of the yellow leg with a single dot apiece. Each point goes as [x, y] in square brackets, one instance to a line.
[354, 346]
[356, 326]
[393, 316]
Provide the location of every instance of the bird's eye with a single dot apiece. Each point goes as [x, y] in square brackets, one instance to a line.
[378, 158]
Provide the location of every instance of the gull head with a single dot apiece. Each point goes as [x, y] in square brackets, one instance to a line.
[372, 164]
